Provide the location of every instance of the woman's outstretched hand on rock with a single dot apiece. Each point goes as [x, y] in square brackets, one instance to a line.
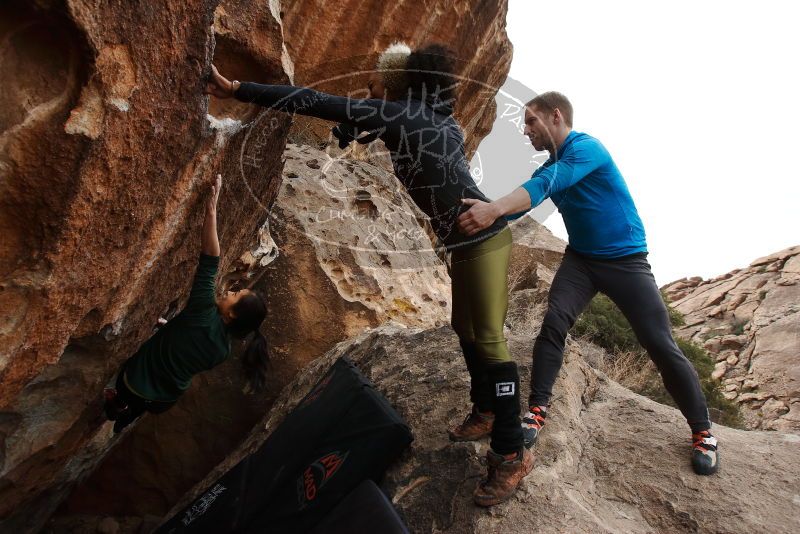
[209, 239]
[213, 198]
[220, 86]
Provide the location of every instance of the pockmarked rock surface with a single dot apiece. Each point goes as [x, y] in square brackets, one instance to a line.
[107, 150]
[354, 252]
[748, 319]
[590, 475]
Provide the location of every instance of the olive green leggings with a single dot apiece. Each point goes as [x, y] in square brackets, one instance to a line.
[479, 275]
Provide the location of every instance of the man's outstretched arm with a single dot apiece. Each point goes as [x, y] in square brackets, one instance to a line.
[583, 159]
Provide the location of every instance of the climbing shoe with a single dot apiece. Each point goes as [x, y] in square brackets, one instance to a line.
[504, 475]
[705, 456]
[532, 424]
[475, 426]
[113, 405]
[124, 419]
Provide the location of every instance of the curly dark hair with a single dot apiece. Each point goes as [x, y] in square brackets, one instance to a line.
[250, 312]
[431, 70]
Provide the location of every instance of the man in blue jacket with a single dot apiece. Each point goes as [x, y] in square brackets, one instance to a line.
[607, 252]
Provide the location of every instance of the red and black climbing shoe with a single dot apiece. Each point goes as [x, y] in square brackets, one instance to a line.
[113, 405]
[505, 474]
[532, 424]
[705, 456]
[475, 426]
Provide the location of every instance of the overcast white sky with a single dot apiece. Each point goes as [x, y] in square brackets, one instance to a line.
[699, 105]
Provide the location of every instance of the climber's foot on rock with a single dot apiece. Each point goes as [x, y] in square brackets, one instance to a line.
[705, 456]
[475, 426]
[124, 419]
[532, 424]
[505, 474]
[112, 406]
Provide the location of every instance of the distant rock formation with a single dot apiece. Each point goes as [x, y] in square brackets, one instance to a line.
[748, 320]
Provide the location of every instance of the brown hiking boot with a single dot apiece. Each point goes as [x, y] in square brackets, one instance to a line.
[475, 426]
[504, 477]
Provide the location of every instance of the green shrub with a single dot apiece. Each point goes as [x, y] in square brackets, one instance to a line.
[675, 317]
[603, 324]
[738, 327]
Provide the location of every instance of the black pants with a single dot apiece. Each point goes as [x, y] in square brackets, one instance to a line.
[630, 284]
[128, 406]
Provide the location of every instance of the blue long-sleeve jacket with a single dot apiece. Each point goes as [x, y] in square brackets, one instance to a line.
[592, 197]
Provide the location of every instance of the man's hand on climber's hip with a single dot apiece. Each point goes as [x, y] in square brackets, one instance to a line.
[480, 215]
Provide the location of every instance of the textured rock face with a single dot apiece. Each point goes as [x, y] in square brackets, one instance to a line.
[106, 148]
[329, 40]
[748, 318]
[354, 253]
[106, 152]
[589, 475]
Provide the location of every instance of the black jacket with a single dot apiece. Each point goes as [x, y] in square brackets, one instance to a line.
[425, 141]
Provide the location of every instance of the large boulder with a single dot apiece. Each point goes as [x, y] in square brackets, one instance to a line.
[608, 461]
[318, 294]
[107, 149]
[354, 252]
[748, 320]
[351, 252]
[107, 146]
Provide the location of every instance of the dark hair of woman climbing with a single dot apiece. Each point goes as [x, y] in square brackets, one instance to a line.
[249, 312]
[431, 70]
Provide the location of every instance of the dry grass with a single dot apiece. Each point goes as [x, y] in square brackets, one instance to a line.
[627, 368]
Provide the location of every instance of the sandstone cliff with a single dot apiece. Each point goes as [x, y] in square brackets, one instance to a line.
[748, 320]
[106, 147]
[106, 150]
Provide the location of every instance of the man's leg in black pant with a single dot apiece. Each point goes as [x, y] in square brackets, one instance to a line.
[571, 291]
[632, 287]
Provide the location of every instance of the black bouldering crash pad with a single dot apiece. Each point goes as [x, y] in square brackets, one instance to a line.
[342, 433]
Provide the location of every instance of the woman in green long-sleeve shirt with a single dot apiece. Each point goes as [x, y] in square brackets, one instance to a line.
[196, 340]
